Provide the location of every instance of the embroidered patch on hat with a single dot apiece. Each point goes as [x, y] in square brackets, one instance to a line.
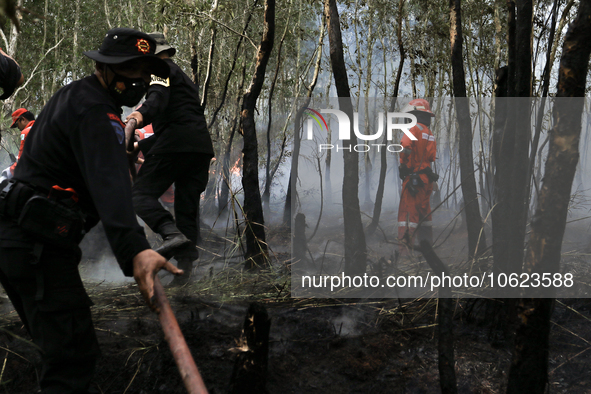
[143, 45]
[160, 81]
[118, 127]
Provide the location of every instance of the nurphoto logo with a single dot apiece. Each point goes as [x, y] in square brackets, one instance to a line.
[345, 129]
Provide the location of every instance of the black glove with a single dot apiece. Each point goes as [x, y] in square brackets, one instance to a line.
[433, 177]
[404, 171]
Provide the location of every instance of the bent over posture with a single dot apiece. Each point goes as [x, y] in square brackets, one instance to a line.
[415, 171]
[179, 152]
[74, 172]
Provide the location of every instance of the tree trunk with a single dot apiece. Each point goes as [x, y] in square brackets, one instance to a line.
[295, 157]
[209, 66]
[268, 177]
[226, 178]
[529, 368]
[541, 111]
[75, 41]
[519, 201]
[476, 238]
[355, 247]
[377, 208]
[256, 246]
[447, 371]
[234, 61]
[504, 143]
[500, 218]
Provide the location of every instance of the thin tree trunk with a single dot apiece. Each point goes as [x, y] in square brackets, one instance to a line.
[545, 88]
[446, 356]
[504, 142]
[502, 175]
[75, 40]
[519, 179]
[235, 59]
[377, 209]
[529, 368]
[256, 246]
[268, 177]
[209, 62]
[476, 238]
[563, 19]
[293, 175]
[355, 247]
[328, 160]
[226, 180]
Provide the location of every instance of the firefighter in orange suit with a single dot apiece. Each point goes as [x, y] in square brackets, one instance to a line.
[418, 178]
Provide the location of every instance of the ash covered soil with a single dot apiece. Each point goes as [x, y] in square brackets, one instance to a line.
[316, 346]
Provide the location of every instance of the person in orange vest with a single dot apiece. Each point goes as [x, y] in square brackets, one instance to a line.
[24, 120]
[414, 211]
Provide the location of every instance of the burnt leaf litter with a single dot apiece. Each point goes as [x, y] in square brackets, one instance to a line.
[315, 345]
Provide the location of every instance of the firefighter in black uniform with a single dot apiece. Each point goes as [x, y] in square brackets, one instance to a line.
[179, 152]
[74, 172]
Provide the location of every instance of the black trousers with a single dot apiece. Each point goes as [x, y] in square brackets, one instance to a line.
[189, 172]
[51, 301]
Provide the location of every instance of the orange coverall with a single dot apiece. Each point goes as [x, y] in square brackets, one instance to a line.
[24, 134]
[417, 155]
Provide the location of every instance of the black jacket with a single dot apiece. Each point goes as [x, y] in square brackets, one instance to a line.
[174, 108]
[78, 142]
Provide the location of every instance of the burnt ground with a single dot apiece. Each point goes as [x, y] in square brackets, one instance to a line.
[316, 346]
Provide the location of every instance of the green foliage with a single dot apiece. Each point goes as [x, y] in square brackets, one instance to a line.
[54, 34]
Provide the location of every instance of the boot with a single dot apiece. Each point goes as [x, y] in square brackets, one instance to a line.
[186, 264]
[173, 240]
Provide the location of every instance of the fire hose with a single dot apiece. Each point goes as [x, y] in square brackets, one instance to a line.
[176, 341]
[172, 332]
[129, 146]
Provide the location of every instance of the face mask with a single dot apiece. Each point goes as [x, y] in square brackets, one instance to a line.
[126, 91]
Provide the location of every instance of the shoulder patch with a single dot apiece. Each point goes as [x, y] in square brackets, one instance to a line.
[115, 118]
[420, 127]
[118, 127]
[160, 81]
[425, 136]
[431, 138]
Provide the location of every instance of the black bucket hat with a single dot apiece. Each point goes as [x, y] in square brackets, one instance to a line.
[12, 75]
[123, 44]
[162, 44]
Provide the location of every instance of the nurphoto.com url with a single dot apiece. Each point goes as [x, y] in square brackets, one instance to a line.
[434, 282]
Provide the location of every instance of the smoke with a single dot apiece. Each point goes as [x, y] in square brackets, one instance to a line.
[99, 263]
[349, 323]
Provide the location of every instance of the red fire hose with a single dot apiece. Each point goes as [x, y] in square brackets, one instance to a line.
[178, 346]
[172, 332]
